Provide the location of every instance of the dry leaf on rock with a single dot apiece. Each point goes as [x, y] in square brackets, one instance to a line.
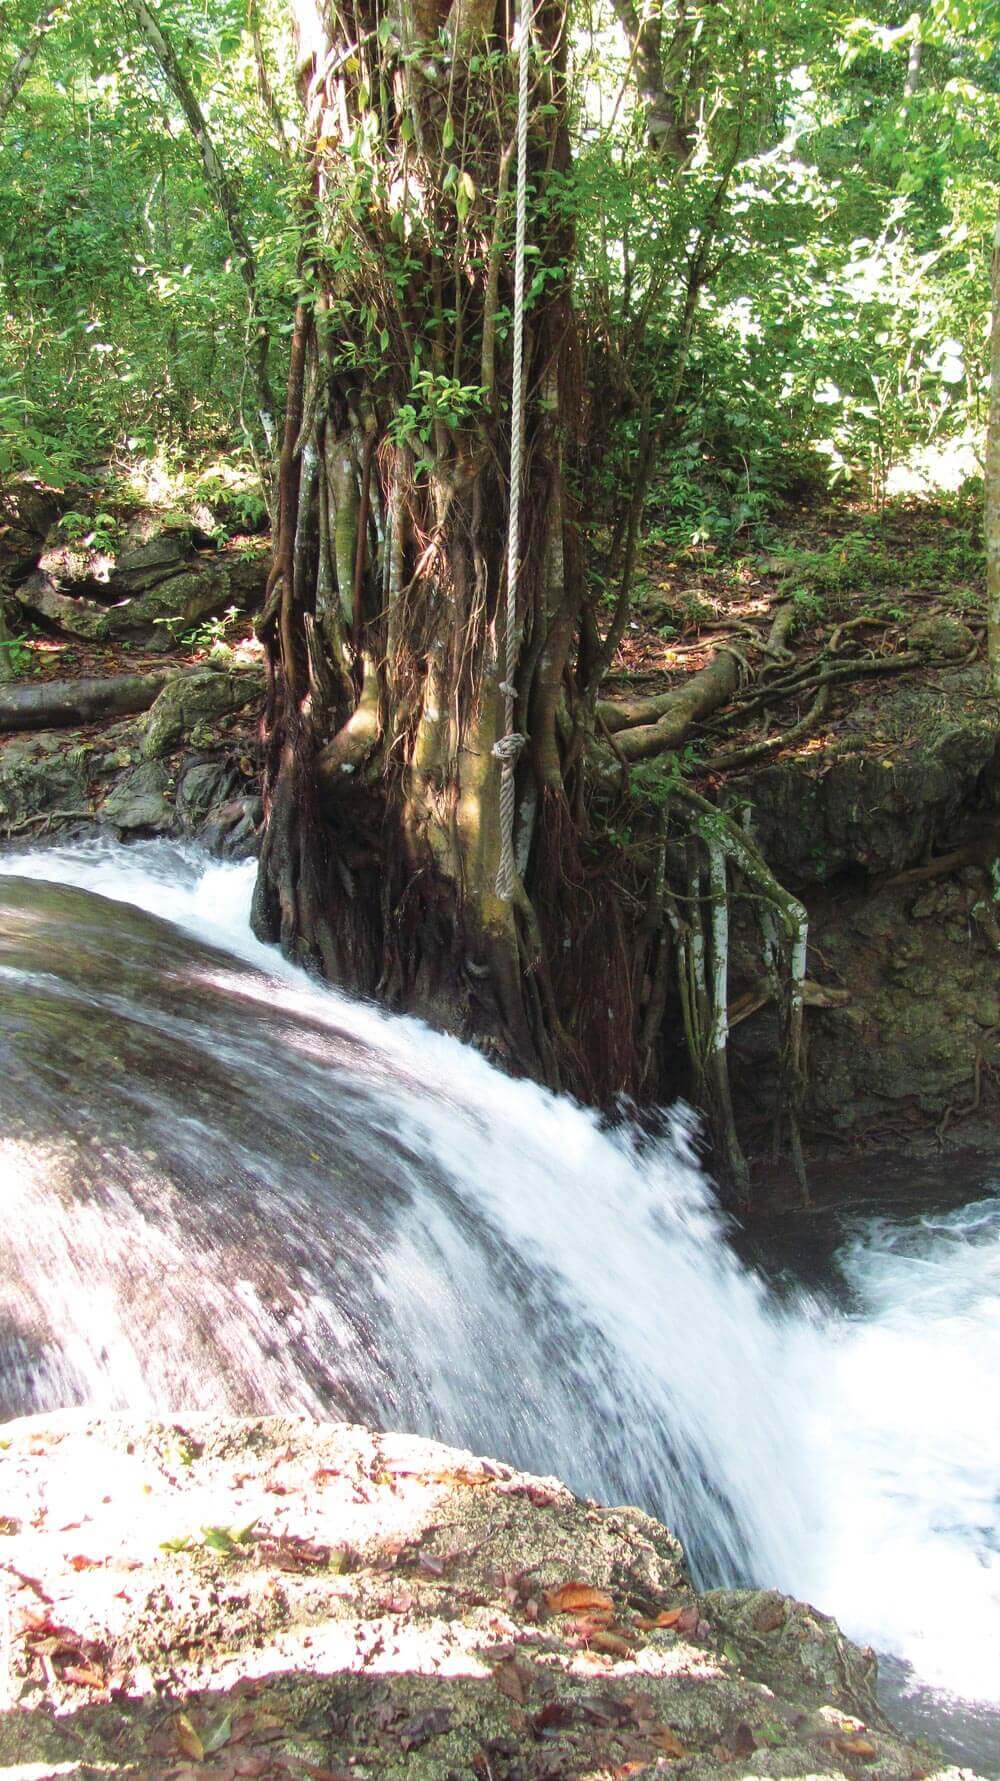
[575, 1598]
[667, 1741]
[186, 1738]
[603, 1639]
[513, 1680]
[669, 1617]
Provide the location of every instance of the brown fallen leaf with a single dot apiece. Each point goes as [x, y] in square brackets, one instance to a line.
[667, 1741]
[742, 1741]
[290, 1552]
[80, 1562]
[611, 1643]
[512, 1680]
[771, 1614]
[187, 1739]
[572, 1598]
[551, 1716]
[84, 1676]
[669, 1617]
[856, 1746]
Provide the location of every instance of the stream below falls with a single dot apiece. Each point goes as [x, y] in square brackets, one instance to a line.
[226, 1187]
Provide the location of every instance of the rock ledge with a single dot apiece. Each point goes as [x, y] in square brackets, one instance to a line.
[278, 1598]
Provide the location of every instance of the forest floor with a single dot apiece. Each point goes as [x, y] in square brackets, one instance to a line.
[863, 580]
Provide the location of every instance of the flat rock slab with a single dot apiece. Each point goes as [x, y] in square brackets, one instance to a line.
[280, 1598]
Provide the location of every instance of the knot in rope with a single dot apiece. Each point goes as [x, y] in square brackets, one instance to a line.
[507, 748]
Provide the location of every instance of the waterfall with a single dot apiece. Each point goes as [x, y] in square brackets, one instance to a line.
[228, 1187]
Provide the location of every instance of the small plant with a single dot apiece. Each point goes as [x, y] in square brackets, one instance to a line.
[809, 605]
[209, 635]
[97, 533]
[656, 779]
[17, 654]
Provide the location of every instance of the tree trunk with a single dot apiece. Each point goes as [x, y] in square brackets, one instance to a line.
[384, 623]
[26, 59]
[993, 482]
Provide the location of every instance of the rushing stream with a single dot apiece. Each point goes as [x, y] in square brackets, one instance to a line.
[225, 1187]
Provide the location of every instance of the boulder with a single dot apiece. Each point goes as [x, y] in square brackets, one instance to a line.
[942, 635]
[909, 762]
[157, 557]
[42, 781]
[200, 697]
[138, 804]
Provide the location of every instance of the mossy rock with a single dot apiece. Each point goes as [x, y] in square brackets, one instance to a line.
[190, 700]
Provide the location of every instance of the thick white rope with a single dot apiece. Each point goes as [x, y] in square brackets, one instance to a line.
[509, 747]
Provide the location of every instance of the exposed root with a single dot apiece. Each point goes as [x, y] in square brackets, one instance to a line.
[758, 751]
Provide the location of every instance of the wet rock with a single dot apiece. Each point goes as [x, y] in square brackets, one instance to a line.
[198, 698]
[233, 829]
[203, 784]
[138, 805]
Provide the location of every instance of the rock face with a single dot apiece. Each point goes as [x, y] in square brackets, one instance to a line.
[279, 1598]
[913, 765]
[188, 767]
[857, 834]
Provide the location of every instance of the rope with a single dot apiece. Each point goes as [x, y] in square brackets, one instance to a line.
[509, 747]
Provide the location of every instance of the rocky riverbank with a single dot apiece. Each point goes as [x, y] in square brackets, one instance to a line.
[276, 1598]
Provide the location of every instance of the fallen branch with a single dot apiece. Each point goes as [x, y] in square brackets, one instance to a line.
[55, 703]
[981, 852]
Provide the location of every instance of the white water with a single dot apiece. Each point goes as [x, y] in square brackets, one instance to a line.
[562, 1296]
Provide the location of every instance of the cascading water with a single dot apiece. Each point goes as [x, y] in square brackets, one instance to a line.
[227, 1187]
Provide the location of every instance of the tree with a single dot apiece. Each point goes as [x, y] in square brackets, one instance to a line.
[993, 480]
[221, 187]
[26, 58]
[385, 621]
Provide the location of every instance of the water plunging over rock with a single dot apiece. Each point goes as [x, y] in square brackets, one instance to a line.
[229, 1190]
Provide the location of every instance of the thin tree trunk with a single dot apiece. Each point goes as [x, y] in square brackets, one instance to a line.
[993, 481]
[222, 191]
[6, 653]
[27, 58]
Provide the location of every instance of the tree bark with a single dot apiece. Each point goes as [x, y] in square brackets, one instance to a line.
[993, 481]
[57, 702]
[384, 618]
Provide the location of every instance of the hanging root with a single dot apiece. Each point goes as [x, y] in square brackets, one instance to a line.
[716, 851]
